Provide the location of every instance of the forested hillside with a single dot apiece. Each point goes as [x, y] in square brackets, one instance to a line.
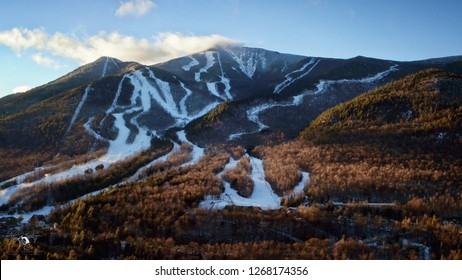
[377, 177]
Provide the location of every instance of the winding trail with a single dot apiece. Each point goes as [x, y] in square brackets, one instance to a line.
[254, 112]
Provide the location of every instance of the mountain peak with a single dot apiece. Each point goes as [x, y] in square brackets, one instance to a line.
[104, 59]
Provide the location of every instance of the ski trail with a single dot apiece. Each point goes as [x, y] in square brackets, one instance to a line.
[137, 176]
[253, 116]
[141, 91]
[205, 110]
[210, 62]
[262, 189]
[323, 85]
[6, 193]
[45, 211]
[253, 113]
[224, 80]
[262, 196]
[162, 95]
[191, 64]
[105, 67]
[227, 84]
[183, 108]
[116, 97]
[197, 152]
[118, 149]
[115, 63]
[290, 80]
[108, 111]
[212, 88]
[90, 130]
[104, 72]
[77, 111]
[20, 178]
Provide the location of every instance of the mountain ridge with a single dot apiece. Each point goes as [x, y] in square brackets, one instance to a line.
[425, 104]
[223, 152]
[272, 96]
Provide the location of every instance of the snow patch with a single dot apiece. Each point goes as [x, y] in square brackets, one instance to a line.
[440, 137]
[247, 61]
[298, 100]
[408, 114]
[191, 64]
[45, 211]
[301, 186]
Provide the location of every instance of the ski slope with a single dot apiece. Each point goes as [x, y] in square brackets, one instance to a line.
[262, 196]
[191, 64]
[77, 110]
[209, 55]
[197, 152]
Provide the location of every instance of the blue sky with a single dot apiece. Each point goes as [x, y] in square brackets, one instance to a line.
[43, 40]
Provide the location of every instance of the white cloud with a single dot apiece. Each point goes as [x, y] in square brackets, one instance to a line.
[22, 88]
[40, 59]
[136, 8]
[22, 39]
[128, 48]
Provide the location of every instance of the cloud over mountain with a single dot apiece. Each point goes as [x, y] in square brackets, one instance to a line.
[21, 88]
[41, 59]
[165, 46]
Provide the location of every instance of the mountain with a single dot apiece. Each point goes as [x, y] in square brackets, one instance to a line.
[266, 96]
[423, 107]
[104, 66]
[231, 138]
